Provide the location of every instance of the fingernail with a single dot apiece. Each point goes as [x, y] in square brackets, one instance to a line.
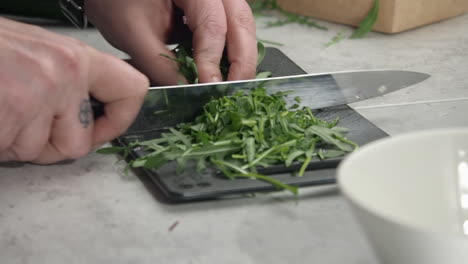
[216, 78]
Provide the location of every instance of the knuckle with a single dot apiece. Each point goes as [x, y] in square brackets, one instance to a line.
[21, 103]
[71, 57]
[71, 145]
[245, 19]
[250, 67]
[65, 65]
[214, 27]
[139, 80]
[4, 146]
[49, 77]
[245, 70]
[44, 69]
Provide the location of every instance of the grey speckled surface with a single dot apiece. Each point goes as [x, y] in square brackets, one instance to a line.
[88, 211]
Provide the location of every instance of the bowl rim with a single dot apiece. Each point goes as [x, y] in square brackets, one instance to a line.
[384, 141]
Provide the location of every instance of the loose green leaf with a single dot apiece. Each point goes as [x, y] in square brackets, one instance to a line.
[263, 75]
[250, 149]
[368, 22]
[336, 39]
[293, 156]
[261, 52]
[276, 183]
[269, 42]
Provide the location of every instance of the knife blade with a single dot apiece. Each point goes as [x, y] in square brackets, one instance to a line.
[315, 90]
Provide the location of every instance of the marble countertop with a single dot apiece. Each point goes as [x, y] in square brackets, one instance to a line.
[89, 211]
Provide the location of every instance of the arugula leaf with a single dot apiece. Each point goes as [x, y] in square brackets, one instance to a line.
[368, 22]
[261, 52]
[278, 184]
[264, 41]
[263, 75]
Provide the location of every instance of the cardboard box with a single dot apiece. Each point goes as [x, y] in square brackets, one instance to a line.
[394, 16]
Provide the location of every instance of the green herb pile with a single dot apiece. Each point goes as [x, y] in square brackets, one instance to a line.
[239, 133]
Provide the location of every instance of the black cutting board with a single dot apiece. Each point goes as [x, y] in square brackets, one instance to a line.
[191, 185]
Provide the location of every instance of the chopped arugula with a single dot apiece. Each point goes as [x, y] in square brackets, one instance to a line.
[239, 133]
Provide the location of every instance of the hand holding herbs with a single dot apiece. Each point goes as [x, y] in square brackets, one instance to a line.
[240, 133]
[142, 29]
[189, 69]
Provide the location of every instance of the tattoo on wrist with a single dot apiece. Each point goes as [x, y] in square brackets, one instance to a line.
[86, 113]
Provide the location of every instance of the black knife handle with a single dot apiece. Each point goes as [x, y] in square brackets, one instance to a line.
[97, 107]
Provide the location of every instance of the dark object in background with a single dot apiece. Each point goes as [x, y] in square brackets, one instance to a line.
[32, 8]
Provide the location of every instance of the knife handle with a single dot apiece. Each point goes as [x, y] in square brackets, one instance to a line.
[97, 107]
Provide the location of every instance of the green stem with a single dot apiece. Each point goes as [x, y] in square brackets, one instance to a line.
[276, 183]
[266, 153]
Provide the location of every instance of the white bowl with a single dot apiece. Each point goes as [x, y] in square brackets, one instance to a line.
[410, 195]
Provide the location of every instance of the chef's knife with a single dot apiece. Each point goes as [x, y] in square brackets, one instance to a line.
[315, 90]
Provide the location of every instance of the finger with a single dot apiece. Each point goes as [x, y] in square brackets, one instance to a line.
[207, 20]
[241, 40]
[145, 43]
[10, 125]
[18, 99]
[32, 139]
[159, 69]
[71, 133]
[121, 88]
[72, 126]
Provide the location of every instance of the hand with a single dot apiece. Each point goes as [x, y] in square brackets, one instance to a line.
[142, 28]
[45, 83]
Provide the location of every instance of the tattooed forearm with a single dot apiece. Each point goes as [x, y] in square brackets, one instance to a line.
[86, 113]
